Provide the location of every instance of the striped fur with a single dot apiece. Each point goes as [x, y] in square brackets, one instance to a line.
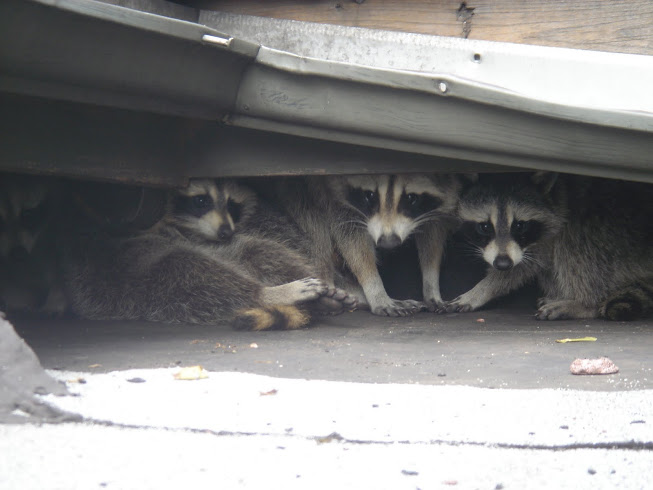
[587, 241]
[348, 218]
[194, 266]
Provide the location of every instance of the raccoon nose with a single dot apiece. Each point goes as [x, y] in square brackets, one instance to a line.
[503, 263]
[225, 232]
[18, 254]
[390, 241]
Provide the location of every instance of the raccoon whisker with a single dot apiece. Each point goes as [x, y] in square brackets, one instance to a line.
[532, 259]
[471, 249]
[357, 223]
[355, 209]
[430, 216]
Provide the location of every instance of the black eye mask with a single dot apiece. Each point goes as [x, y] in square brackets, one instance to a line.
[366, 201]
[414, 205]
[526, 232]
[194, 205]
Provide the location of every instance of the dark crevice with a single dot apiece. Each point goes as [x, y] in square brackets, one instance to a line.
[336, 437]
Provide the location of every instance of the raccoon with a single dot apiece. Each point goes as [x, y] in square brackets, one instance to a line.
[588, 242]
[29, 273]
[349, 217]
[193, 266]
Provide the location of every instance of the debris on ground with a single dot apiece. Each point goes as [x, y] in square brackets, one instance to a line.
[191, 373]
[581, 339]
[334, 436]
[602, 365]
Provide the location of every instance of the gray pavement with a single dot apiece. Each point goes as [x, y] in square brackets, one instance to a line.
[507, 349]
[482, 400]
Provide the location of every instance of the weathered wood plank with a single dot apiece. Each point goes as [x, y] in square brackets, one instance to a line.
[602, 25]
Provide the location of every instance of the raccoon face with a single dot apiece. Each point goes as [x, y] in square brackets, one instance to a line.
[393, 206]
[210, 210]
[504, 223]
[24, 214]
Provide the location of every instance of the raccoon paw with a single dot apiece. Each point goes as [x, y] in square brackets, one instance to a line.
[456, 305]
[434, 305]
[564, 309]
[334, 301]
[310, 288]
[543, 301]
[300, 291]
[398, 308]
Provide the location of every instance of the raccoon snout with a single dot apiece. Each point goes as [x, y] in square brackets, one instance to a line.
[503, 263]
[388, 241]
[225, 232]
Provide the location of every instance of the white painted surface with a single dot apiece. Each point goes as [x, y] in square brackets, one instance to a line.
[234, 430]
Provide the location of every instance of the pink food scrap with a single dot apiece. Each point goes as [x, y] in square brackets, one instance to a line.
[602, 365]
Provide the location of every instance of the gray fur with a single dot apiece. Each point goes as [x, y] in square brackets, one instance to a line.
[29, 267]
[177, 271]
[595, 253]
[344, 238]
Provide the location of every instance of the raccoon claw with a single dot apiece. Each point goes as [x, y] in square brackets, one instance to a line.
[399, 308]
[455, 306]
[434, 305]
[563, 310]
[550, 313]
[542, 302]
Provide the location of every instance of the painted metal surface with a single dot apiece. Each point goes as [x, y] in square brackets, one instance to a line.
[441, 98]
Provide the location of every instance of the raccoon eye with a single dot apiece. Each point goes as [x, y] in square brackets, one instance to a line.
[521, 227]
[484, 229]
[202, 201]
[412, 198]
[369, 196]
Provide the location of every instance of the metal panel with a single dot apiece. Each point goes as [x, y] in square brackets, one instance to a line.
[367, 92]
[407, 120]
[104, 54]
[525, 106]
[39, 135]
[589, 86]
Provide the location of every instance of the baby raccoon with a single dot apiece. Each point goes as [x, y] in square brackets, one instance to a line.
[194, 266]
[587, 241]
[28, 257]
[349, 217]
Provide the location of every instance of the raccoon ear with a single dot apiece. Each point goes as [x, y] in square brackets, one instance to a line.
[544, 181]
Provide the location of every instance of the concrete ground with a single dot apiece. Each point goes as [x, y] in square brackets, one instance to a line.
[480, 400]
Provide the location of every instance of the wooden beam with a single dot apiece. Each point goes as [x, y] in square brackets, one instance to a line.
[600, 25]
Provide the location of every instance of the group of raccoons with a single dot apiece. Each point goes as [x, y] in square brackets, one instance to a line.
[271, 253]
